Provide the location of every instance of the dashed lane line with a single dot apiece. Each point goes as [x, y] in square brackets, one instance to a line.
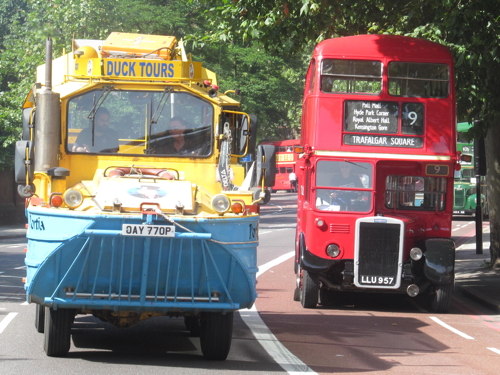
[5, 321]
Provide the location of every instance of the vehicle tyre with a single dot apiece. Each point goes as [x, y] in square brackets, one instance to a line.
[40, 318]
[267, 197]
[58, 331]
[193, 325]
[296, 294]
[308, 292]
[216, 333]
[441, 299]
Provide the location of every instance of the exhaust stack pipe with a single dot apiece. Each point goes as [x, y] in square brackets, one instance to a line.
[48, 64]
[48, 120]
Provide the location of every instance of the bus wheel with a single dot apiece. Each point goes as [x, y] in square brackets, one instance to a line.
[441, 300]
[296, 294]
[308, 292]
[40, 318]
[58, 331]
[216, 332]
[193, 325]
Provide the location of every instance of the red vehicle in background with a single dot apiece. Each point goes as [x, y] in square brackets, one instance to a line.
[375, 197]
[285, 163]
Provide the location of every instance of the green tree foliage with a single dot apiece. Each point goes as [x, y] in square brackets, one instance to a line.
[271, 85]
[470, 28]
[24, 26]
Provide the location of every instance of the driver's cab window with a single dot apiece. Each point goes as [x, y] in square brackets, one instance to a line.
[344, 186]
[140, 122]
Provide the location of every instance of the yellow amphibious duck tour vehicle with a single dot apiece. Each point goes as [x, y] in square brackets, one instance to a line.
[136, 204]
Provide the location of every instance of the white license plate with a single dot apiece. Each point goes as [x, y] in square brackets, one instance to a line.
[148, 230]
[377, 280]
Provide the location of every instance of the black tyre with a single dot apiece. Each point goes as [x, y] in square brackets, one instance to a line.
[441, 300]
[296, 294]
[193, 325]
[308, 291]
[58, 331]
[216, 333]
[39, 318]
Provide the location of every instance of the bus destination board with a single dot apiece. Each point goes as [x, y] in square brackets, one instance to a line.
[383, 141]
[371, 117]
[378, 118]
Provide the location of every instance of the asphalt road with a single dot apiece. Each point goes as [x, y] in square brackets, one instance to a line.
[362, 333]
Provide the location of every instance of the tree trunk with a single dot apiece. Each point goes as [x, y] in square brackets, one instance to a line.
[493, 180]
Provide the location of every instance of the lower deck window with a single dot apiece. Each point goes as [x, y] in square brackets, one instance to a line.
[415, 193]
[343, 186]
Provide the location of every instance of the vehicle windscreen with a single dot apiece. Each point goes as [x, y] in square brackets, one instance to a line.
[115, 121]
[343, 186]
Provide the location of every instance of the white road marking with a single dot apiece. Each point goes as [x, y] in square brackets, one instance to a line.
[5, 321]
[463, 226]
[274, 262]
[454, 330]
[288, 362]
[495, 350]
[15, 277]
[10, 286]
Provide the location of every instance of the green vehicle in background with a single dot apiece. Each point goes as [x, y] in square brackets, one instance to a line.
[465, 199]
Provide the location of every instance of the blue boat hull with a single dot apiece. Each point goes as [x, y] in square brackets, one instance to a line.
[83, 262]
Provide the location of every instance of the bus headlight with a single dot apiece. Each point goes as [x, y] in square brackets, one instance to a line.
[416, 253]
[333, 250]
[220, 203]
[73, 198]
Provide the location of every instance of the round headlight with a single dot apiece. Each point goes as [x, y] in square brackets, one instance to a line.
[73, 198]
[333, 250]
[220, 203]
[416, 253]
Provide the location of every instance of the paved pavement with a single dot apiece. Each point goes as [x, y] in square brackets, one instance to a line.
[473, 278]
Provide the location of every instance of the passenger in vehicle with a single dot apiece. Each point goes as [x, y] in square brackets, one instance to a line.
[175, 140]
[105, 138]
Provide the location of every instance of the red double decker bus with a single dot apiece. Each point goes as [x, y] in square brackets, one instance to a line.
[375, 195]
[285, 162]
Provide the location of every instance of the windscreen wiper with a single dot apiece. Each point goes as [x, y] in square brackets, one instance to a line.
[104, 94]
[161, 103]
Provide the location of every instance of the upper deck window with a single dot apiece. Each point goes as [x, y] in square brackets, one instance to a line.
[351, 76]
[419, 80]
[139, 122]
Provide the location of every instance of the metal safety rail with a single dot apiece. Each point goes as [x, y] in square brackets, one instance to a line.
[111, 271]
